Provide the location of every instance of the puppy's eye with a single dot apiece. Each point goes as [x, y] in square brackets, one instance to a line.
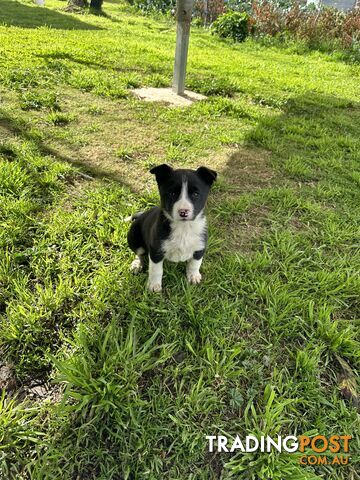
[172, 194]
[195, 194]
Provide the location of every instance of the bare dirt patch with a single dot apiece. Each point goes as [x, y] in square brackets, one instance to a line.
[32, 389]
[7, 378]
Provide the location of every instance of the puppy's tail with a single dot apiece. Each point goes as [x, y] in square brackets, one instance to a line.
[133, 217]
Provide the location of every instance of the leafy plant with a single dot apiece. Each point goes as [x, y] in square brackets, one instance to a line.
[60, 119]
[234, 25]
[36, 101]
[102, 378]
[18, 435]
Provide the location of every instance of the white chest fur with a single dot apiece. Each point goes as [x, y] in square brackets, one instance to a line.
[185, 239]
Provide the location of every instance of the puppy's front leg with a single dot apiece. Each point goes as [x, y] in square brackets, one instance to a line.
[193, 267]
[155, 273]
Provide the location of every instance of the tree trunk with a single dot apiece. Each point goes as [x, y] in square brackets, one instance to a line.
[96, 4]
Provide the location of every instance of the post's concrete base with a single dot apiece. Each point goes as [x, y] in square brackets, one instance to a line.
[167, 95]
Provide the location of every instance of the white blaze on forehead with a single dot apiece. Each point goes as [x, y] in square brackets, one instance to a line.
[183, 202]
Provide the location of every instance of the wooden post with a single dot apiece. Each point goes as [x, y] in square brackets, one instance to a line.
[183, 17]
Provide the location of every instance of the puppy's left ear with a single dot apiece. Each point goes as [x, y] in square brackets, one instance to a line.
[207, 175]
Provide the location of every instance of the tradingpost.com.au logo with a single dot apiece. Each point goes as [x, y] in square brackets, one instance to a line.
[336, 444]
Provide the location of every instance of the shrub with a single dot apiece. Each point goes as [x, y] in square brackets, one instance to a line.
[324, 29]
[351, 30]
[267, 18]
[233, 25]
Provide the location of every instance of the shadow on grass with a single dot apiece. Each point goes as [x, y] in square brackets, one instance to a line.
[13, 13]
[315, 136]
[21, 130]
[90, 63]
[149, 69]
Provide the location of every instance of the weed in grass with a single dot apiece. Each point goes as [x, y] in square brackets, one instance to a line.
[35, 101]
[109, 85]
[18, 433]
[175, 154]
[23, 78]
[295, 168]
[104, 374]
[213, 86]
[95, 110]
[131, 80]
[159, 81]
[268, 422]
[220, 107]
[125, 154]
[57, 69]
[60, 119]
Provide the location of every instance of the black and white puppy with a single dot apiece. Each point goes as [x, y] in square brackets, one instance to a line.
[176, 230]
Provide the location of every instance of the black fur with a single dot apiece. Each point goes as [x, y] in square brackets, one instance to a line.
[148, 231]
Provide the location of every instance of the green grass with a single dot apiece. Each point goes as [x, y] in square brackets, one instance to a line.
[137, 380]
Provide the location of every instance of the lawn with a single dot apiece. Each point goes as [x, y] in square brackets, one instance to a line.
[113, 382]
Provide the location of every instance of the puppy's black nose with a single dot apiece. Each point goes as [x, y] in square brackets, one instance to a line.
[184, 212]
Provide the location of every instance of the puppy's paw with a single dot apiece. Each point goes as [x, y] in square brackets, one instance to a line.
[154, 287]
[194, 278]
[136, 266]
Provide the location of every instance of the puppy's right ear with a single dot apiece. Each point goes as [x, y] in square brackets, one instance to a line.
[161, 172]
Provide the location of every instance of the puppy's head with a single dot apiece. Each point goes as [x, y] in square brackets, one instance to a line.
[183, 193]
